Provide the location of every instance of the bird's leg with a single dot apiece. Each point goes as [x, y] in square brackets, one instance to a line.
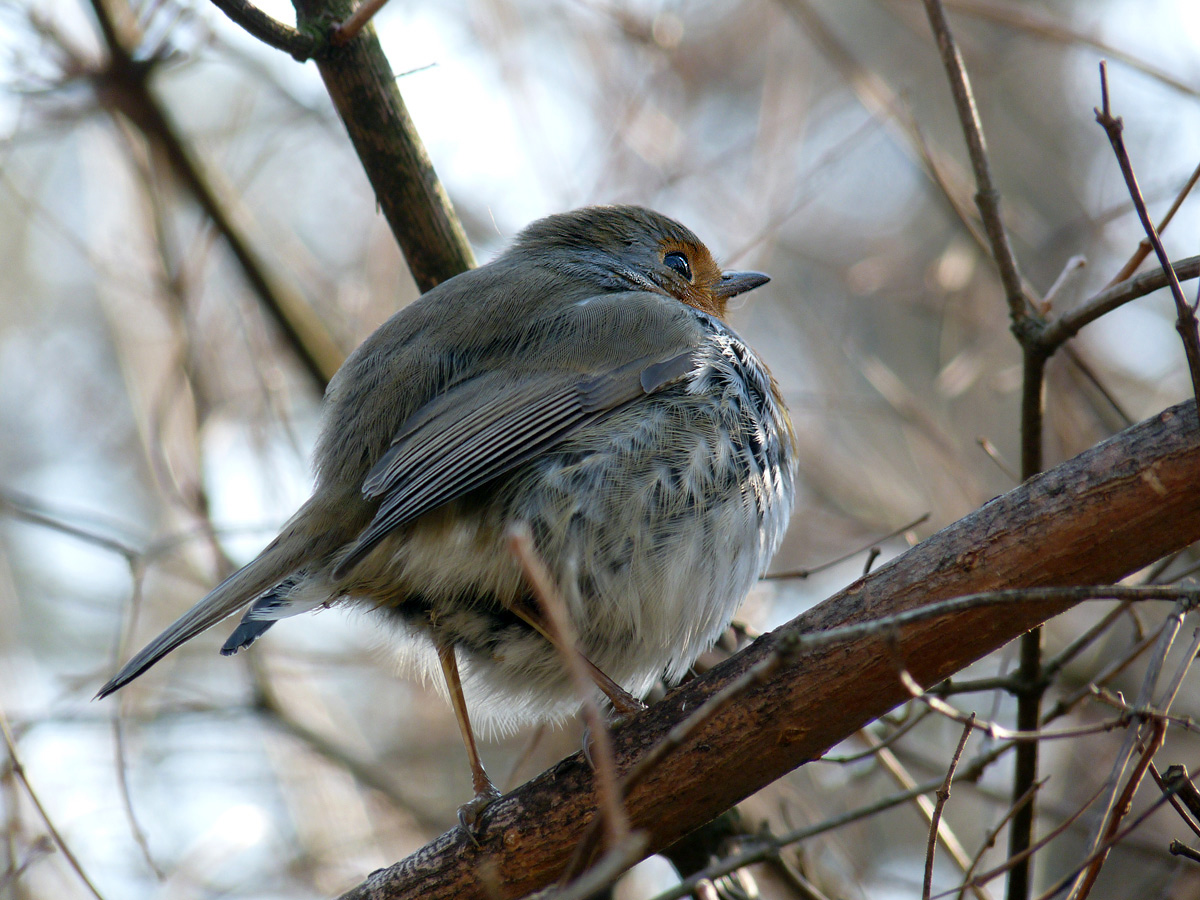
[485, 791]
[623, 702]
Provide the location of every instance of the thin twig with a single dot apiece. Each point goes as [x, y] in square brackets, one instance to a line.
[1189, 596]
[987, 198]
[1121, 809]
[1178, 848]
[989, 840]
[765, 848]
[520, 543]
[1185, 322]
[1021, 736]
[1027, 322]
[1074, 264]
[1070, 323]
[1109, 672]
[676, 737]
[1145, 696]
[1144, 245]
[272, 32]
[18, 770]
[1102, 850]
[943, 795]
[874, 744]
[125, 79]
[829, 564]
[892, 765]
[1015, 860]
[1174, 784]
[1085, 640]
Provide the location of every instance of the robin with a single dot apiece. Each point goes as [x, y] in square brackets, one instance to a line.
[583, 384]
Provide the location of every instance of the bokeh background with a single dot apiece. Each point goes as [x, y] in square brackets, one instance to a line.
[154, 429]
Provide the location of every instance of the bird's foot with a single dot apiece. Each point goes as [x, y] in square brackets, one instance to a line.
[624, 706]
[470, 812]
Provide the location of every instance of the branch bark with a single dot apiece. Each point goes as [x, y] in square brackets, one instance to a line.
[363, 89]
[1094, 519]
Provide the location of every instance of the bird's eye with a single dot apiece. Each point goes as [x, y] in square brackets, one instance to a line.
[679, 263]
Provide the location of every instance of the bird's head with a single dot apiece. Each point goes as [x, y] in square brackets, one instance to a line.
[633, 248]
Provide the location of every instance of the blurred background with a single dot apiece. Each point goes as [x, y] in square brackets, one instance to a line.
[154, 429]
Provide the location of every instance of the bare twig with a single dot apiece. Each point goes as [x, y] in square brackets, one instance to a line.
[1044, 27]
[1121, 809]
[1069, 324]
[990, 840]
[1144, 245]
[1015, 860]
[1113, 809]
[1185, 322]
[520, 542]
[943, 795]
[765, 848]
[987, 198]
[1027, 322]
[267, 706]
[272, 32]
[999, 732]
[410, 194]
[1181, 792]
[1057, 889]
[874, 744]
[829, 564]
[928, 811]
[18, 770]
[1178, 848]
[1190, 596]
[124, 81]
[676, 737]
[1073, 266]
[617, 860]
[1109, 672]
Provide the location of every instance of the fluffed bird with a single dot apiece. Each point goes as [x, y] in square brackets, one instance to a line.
[584, 385]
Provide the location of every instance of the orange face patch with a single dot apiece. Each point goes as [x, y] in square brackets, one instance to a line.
[706, 274]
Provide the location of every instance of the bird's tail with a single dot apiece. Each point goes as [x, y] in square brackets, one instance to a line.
[283, 555]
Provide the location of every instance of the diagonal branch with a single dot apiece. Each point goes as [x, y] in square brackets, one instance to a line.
[410, 195]
[1185, 322]
[1093, 519]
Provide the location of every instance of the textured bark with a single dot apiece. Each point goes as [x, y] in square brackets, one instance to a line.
[1092, 520]
[364, 92]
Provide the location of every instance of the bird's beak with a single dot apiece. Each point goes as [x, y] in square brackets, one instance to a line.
[734, 283]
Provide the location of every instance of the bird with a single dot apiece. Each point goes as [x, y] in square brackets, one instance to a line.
[583, 386]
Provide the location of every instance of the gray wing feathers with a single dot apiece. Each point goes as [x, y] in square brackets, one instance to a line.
[462, 444]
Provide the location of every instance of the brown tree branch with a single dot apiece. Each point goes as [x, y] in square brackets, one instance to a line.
[363, 89]
[1027, 323]
[122, 86]
[268, 30]
[1111, 510]
[987, 197]
[1064, 327]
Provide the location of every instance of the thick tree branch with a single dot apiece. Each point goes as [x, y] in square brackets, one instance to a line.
[1094, 519]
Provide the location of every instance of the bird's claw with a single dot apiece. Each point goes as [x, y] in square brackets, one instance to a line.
[470, 813]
